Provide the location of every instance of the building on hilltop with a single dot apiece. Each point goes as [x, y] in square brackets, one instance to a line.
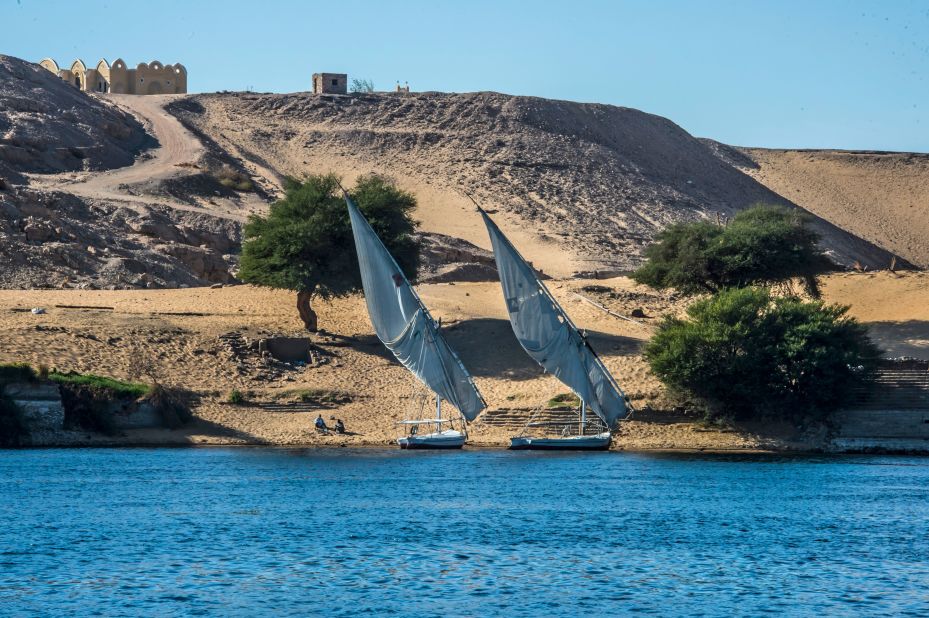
[330, 83]
[151, 78]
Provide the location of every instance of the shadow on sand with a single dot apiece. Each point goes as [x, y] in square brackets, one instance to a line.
[907, 338]
[488, 347]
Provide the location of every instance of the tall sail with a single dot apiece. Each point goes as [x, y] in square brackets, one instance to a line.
[548, 336]
[404, 325]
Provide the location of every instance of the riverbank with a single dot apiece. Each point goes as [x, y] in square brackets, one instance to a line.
[204, 342]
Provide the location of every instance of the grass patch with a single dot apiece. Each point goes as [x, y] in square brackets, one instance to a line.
[235, 397]
[118, 388]
[563, 400]
[317, 395]
[231, 179]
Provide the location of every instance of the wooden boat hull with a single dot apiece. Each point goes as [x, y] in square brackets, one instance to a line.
[599, 442]
[449, 439]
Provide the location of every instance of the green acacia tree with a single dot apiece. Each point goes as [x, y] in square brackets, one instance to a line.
[746, 353]
[305, 243]
[760, 245]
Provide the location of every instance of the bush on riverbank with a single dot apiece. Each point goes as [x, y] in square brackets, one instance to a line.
[745, 353]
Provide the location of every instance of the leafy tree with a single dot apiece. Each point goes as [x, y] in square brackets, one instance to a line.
[305, 243]
[362, 85]
[760, 245]
[746, 353]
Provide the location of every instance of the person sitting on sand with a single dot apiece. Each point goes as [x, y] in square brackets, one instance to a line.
[339, 426]
[321, 425]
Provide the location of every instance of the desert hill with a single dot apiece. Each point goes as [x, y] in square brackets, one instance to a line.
[580, 187]
[46, 125]
[66, 222]
[882, 197]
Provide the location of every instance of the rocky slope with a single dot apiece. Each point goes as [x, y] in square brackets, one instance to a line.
[581, 186]
[56, 240]
[47, 125]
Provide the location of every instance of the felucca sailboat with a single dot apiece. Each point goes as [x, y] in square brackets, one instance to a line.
[552, 340]
[404, 325]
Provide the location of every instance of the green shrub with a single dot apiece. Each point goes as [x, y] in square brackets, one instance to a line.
[235, 396]
[13, 430]
[564, 400]
[15, 372]
[744, 353]
[760, 245]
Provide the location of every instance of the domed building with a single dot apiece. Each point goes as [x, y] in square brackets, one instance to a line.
[146, 78]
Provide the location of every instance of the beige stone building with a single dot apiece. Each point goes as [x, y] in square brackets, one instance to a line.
[118, 78]
[330, 83]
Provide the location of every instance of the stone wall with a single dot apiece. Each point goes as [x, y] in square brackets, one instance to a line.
[40, 404]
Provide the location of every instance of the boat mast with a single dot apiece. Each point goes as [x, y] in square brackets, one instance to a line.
[583, 416]
[438, 413]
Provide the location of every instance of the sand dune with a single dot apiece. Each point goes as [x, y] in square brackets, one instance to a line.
[882, 197]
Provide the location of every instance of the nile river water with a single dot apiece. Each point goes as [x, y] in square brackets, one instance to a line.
[263, 531]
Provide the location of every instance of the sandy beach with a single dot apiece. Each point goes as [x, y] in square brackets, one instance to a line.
[182, 333]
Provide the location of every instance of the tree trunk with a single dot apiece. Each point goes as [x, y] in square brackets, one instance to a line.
[306, 311]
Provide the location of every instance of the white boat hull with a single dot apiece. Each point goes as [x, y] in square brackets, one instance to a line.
[449, 438]
[598, 442]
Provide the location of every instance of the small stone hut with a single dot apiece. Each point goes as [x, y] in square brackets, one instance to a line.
[330, 83]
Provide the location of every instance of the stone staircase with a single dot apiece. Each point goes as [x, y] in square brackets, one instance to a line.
[900, 385]
[892, 414]
[517, 418]
[292, 407]
[556, 418]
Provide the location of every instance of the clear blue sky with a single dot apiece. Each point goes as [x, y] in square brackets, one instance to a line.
[806, 74]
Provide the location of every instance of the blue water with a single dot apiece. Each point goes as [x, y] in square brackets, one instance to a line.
[347, 532]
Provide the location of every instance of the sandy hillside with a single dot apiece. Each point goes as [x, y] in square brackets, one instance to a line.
[579, 187]
[181, 331]
[894, 306]
[882, 197]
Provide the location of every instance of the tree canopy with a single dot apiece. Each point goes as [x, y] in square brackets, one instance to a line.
[746, 353]
[305, 242]
[761, 245]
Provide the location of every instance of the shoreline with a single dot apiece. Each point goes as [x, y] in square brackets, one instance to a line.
[476, 448]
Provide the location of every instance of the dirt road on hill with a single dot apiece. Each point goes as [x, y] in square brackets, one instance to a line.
[176, 155]
[179, 153]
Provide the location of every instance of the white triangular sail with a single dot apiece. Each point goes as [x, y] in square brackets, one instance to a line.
[404, 325]
[548, 336]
